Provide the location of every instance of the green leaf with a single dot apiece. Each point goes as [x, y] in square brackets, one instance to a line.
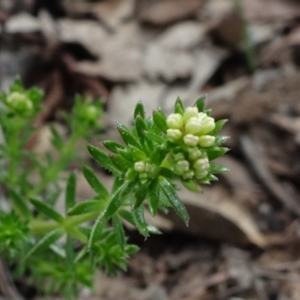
[172, 196]
[139, 196]
[47, 210]
[179, 107]
[214, 168]
[218, 127]
[103, 159]
[112, 146]
[118, 182]
[153, 137]
[45, 242]
[86, 207]
[126, 215]
[137, 153]
[95, 183]
[139, 110]
[19, 204]
[126, 153]
[126, 135]
[153, 197]
[139, 220]
[56, 140]
[96, 232]
[35, 95]
[159, 154]
[119, 230]
[216, 152]
[220, 140]
[165, 172]
[122, 164]
[191, 185]
[160, 120]
[117, 199]
[141, 127]
[200, 103]
[70, 192]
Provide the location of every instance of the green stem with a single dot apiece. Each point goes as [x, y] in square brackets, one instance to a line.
[57, 166]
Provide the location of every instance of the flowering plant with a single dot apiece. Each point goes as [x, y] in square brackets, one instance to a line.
[62, 251]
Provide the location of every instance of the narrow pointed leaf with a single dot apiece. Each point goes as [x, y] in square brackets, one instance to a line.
[45, 242]
[160, 120]
[103, 159]
[122, 164]
[219, 126]
[220, 140]
[216, 152]
[139, 220]
[139, 196]
[126, 215]
[86, 207]
[141, 127]
[139, 110]
[70, 192]
[47, 210]
[191, 185]
[215, 168]
[153, 197]
[19, 204]
[200, 103]
[95, 183]
[112, 146]
[137, 153]
[172, 196]
[127, 136]
[56, 140]
[119, 230]
[179, 107]
[155, 137]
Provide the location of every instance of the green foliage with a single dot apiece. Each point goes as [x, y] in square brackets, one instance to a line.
[62, 250]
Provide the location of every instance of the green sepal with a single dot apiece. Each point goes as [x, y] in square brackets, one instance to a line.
[160, 120]
[45, 242]
[103, 159]
[139, 221]
[127, 136]
[19, 204]
[215, 168]
[218, 126]
[121, 163]
[47, 210]
[86, 207]
[191, 185]
[179, 107]
[216, 152]
[139, 196]
[95, 183]
[172, 196]
[119, 230]
[70, 192]
[112, 146]
[139, 110]
[200, 103]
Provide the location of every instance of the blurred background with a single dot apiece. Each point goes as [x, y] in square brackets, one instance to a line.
[244, 234]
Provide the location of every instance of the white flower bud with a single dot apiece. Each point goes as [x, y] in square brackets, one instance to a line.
[174, 121]
[188, 175]
[139, 166]
[194, 153]
[201, 174]
[206, 140]
[208, 124]
[190, 140]
[174, 134]
[143, 176]
[148, 168]
[178, 156]
[189, 113]
[182, 166]
[201, 164]
[193, 125]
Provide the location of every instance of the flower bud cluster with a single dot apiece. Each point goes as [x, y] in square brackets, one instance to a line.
[19, 103]
[193, 164]
[191, 129]
[144, 169]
